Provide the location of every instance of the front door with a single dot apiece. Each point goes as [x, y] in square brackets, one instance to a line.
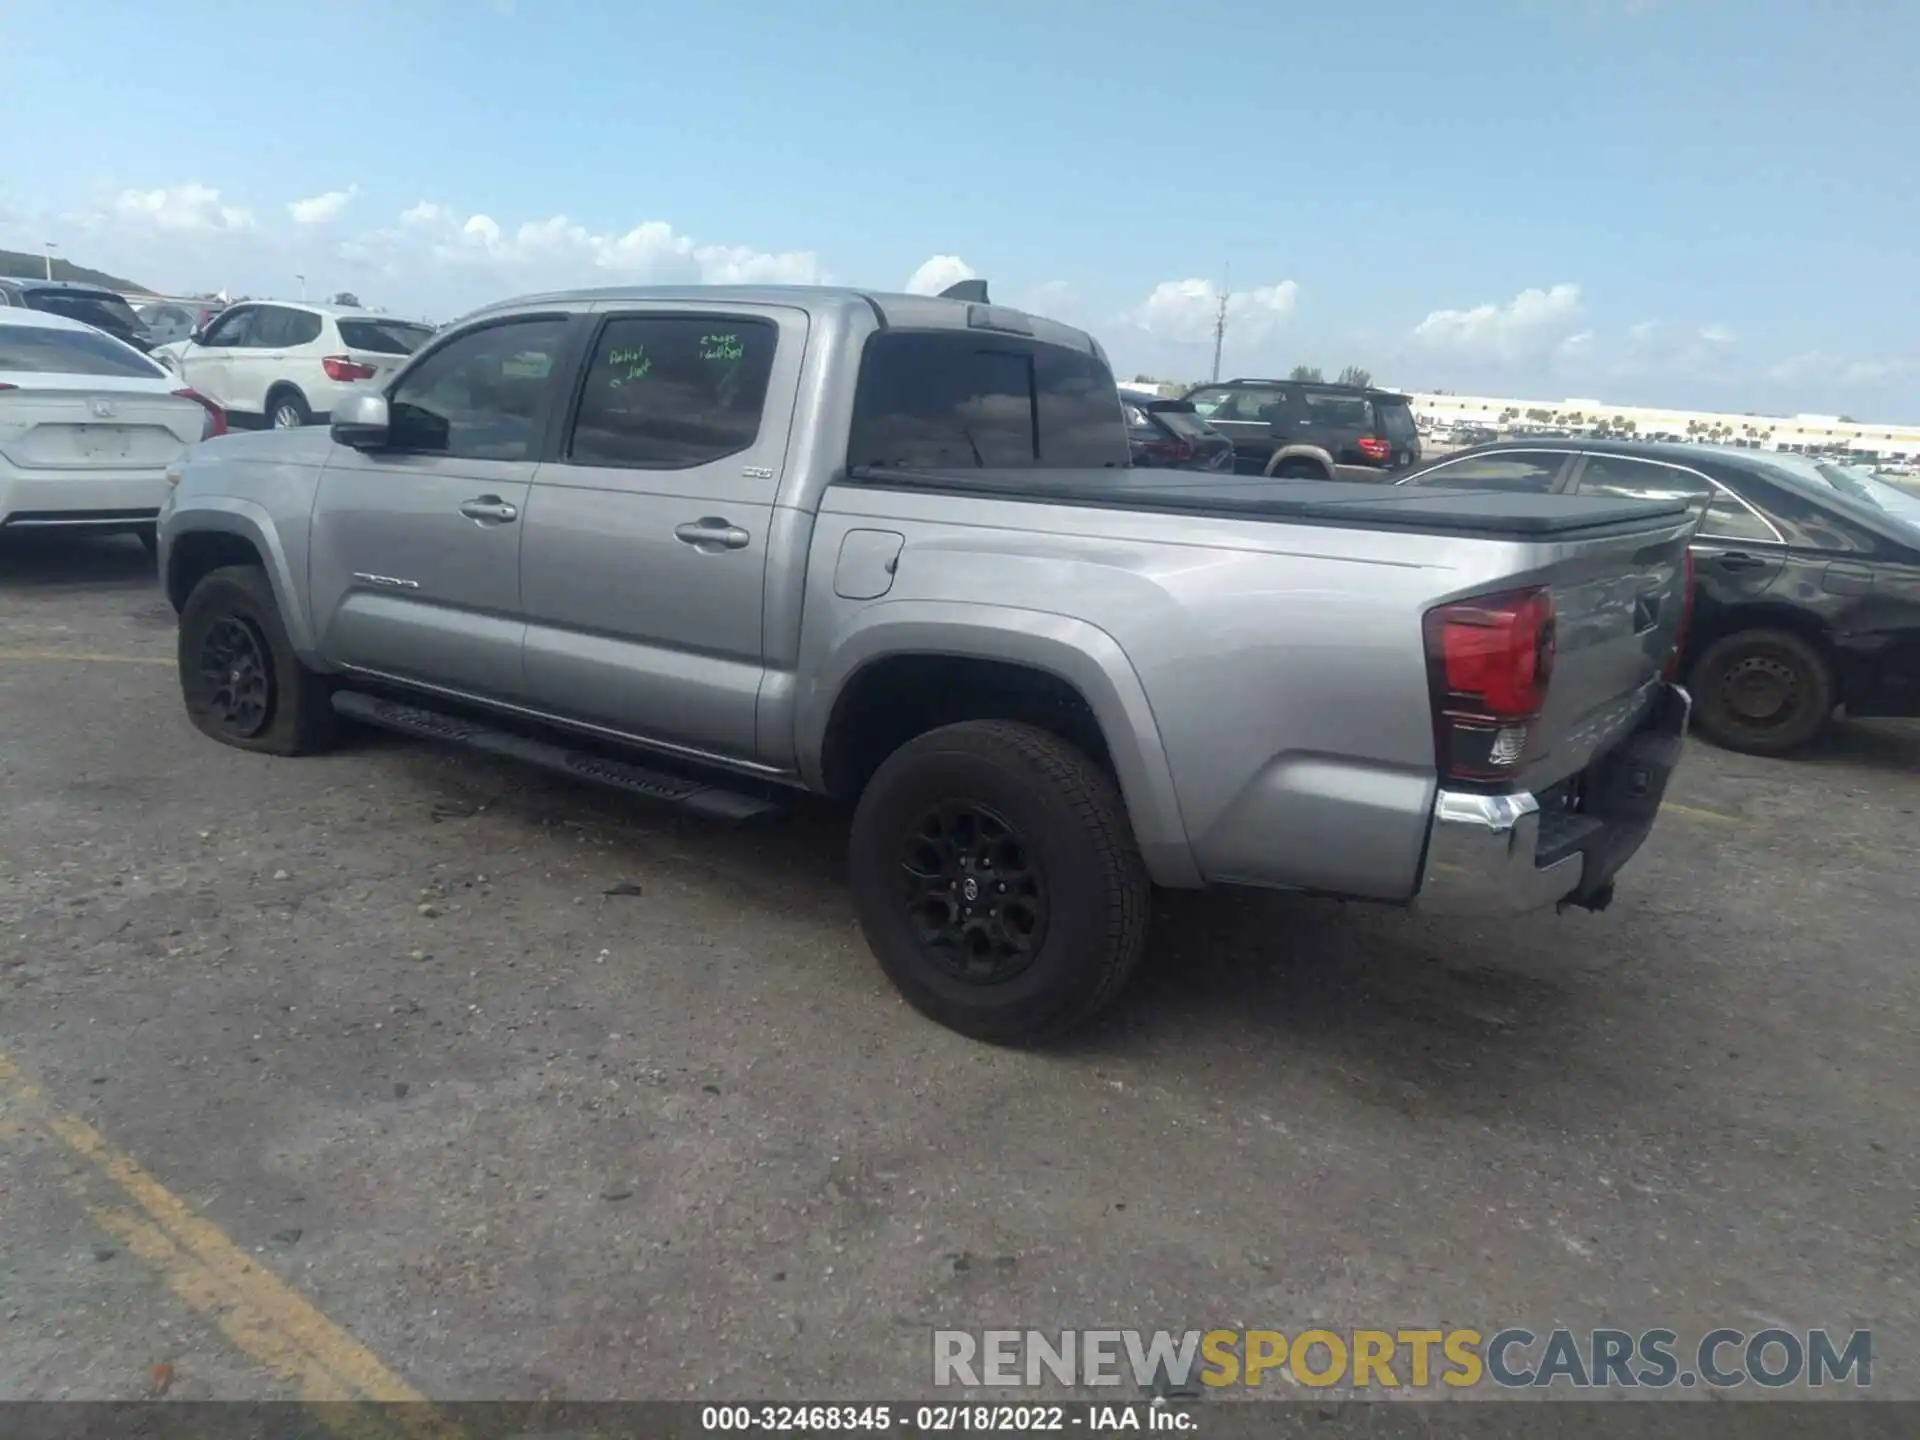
[208, 367]
[643, 566]
[415, 548]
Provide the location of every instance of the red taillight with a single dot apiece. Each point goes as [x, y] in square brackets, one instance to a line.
[1374, 448]
[5, 386]
[340, 367]
[1672, 670]
[1176, 452]
[216, 422]
[1489, 663]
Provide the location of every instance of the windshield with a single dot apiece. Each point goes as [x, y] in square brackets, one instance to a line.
[36, 349]
[99, 308]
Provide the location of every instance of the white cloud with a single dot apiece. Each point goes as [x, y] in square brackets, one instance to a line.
[321, 208]
[937, 272]
[456, 262]
[1717, 334]
[1528, 327]
[181, 207]
[1186, 311]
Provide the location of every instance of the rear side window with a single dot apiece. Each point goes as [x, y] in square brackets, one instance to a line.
[275, 328]
[666, 392]
[384, 337]
[1624, 479]
[1252, 404]
[1345, 412]
[30, 348]
[1728, 519]
[1530, 474]
[935, 400]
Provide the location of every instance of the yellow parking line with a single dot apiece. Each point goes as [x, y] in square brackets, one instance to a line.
[87, 657]
[258, 1311]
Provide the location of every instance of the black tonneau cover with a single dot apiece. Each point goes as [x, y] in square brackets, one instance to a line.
[1425, 508]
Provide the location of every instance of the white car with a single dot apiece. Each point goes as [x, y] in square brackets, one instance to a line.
[88, 426]
[283, 364]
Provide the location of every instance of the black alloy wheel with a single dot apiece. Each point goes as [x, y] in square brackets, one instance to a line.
[239, 677]
[974, 893]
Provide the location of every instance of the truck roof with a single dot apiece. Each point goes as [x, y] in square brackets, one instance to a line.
[889, 308]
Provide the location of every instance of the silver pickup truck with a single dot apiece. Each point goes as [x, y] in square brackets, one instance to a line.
[715, 546]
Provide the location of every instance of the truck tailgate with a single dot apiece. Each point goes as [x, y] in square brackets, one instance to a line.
[1619, 600]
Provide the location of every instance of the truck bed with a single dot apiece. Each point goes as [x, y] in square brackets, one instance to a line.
[1423, 509]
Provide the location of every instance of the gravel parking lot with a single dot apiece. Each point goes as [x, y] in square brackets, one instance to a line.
[399, 1073]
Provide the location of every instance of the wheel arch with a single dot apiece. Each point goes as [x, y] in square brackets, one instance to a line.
[1313, 454]
[224, 530]
[967, 662]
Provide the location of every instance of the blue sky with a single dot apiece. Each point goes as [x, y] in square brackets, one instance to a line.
[1701, 202]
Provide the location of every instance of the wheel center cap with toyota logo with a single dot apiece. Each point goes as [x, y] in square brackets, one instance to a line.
[971, 889]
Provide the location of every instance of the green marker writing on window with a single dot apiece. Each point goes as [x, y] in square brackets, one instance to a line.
[628, 363]
[721, 347]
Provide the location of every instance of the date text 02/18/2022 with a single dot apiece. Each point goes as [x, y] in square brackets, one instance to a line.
[1095, 1419]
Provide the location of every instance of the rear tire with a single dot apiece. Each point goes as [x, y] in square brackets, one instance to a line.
[287, 410]
[1761, 692]
[238, 675]
[997, 880]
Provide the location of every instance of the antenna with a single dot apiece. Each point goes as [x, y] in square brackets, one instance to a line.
[1220, 320]
[974, 290]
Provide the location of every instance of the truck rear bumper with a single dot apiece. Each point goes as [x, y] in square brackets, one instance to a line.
[1504, 854]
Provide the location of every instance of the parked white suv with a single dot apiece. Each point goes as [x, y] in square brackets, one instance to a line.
[283, 364]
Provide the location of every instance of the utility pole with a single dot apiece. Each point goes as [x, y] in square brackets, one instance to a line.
[303, 286]
[51, 247]
[1220, 322]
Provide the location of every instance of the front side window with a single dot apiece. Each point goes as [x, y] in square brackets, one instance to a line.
[231, 329]
[36, 349]
[667, 392]
[481, 396]
[1527, 472]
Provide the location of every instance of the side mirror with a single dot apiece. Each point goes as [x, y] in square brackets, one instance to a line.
[361, 421]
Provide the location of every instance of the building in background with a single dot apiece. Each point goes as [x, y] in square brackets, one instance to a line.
[1815, 434]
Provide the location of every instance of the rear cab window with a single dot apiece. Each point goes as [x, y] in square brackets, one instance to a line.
[953, 399]
[32, 349]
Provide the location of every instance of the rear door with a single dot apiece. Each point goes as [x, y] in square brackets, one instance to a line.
[1398, 429]
[644, 559]
[414, 555]
[1738, 554]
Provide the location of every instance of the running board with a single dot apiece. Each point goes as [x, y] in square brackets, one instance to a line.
[677, 790]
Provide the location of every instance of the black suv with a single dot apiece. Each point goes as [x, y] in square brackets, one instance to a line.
[1311, 430]
[1806, 574]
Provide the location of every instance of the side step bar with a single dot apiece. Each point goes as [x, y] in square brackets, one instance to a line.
[677, 790]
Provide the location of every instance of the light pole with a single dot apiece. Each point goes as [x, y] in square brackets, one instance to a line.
[303, 286]
[51, 247]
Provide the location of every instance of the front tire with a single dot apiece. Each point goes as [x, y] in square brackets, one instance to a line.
[997, 880]
[1762, 692]
[239, 677]
[288, 410]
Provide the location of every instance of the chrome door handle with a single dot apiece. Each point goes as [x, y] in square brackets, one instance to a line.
[489, 508]
[711, 533]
